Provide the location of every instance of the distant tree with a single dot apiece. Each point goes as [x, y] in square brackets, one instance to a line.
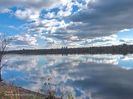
[3, 46]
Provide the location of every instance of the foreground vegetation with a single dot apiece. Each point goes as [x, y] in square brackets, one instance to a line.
[11, 92]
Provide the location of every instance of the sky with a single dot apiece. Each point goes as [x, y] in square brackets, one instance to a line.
[71, 23]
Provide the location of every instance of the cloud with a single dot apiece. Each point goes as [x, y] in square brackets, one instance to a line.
[23, 41]
[86, 24]
[32, 4]
[5, 10]
[125, 30]
[102, 18]
[29, 14]
[30, 9]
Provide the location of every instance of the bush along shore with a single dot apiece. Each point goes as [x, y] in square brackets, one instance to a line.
[9, 91]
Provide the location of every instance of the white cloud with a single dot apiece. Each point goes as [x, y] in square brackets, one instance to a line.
[125, 30]
[64, 13]
[6, 10]
[50, 15]
[29, 14]
[67, 11]
[23, 41]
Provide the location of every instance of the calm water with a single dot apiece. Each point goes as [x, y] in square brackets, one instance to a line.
[83, 76]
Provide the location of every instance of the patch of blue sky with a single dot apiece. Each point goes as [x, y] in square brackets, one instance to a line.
[7, 19]
[82, 1]
[13, 9]
[9, 24]
[46, 11]
[125, 34]
[43, 13]
[55, 10]
[41, 42]
[9, 30]
[75, 8]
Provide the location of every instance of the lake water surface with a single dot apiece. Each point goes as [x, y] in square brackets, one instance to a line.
[82, 76]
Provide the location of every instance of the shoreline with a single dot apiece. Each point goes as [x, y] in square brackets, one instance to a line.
[14, 92]
[119, 49]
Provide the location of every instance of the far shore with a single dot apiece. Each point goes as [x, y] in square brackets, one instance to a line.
[114, 49]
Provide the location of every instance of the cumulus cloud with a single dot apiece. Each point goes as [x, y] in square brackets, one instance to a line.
[77, 22]
[30, 14]
[102, 18]
[95, 21]
[30, 9]
[22, 41]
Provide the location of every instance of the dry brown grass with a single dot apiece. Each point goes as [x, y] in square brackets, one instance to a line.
[12, 92]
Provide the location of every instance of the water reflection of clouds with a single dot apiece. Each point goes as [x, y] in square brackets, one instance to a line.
[85, 76]
[21, 63]
[109, 59]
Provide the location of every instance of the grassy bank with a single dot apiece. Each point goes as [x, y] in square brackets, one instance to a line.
[8, 91]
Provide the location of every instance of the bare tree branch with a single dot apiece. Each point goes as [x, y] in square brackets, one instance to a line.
[3, 46]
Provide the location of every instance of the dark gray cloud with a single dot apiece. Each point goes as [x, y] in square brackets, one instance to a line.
[102, 18]
[28, 3]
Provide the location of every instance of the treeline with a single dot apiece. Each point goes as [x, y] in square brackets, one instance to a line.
[120, 49]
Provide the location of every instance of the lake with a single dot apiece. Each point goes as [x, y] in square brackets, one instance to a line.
[82, 76]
